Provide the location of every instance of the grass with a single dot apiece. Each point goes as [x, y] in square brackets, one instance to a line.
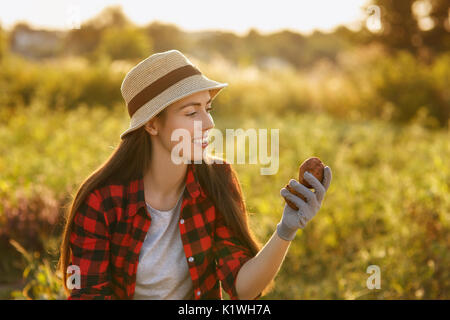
[387, 205]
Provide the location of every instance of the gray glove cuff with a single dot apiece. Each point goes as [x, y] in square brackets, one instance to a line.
[286, 233]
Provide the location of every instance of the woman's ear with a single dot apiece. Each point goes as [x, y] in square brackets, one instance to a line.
[150, 127]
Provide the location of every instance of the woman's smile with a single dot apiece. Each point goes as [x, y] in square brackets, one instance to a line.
[202, 141]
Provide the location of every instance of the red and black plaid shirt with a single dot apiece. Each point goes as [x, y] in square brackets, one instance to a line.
[111, 225]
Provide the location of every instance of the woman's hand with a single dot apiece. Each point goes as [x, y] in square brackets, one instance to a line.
[292, 220]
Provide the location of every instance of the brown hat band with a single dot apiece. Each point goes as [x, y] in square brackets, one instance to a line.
[158, 86]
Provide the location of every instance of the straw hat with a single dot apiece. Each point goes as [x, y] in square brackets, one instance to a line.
[158, 81]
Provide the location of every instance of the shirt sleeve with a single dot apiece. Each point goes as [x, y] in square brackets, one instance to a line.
[231, 255]
[89, 241]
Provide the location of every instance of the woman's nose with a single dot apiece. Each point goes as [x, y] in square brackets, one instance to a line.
[207, 121]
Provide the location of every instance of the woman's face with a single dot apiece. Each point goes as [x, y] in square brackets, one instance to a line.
[181, 115]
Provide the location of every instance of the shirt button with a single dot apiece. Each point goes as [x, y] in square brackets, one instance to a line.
[191, 259]
[182, 221]
[198, 292]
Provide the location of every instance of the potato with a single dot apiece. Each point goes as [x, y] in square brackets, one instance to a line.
[313, 165]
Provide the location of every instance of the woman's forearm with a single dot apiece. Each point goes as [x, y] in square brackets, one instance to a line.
[257, 272]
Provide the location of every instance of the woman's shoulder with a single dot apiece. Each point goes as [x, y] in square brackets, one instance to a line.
[106, 191]
[111, 193]
[118, 188]
[106, 202]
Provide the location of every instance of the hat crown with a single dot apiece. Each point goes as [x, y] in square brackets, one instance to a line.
[151, 69]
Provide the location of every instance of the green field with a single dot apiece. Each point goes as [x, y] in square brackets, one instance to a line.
[388, 204]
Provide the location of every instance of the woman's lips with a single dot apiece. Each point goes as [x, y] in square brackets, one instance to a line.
[204, 142]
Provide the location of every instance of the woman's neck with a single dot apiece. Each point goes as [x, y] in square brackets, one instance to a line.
[164, 179]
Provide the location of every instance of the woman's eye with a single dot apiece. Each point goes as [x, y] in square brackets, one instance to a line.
[193, 113]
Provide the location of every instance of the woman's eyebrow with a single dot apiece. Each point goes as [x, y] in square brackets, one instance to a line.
[193, 104]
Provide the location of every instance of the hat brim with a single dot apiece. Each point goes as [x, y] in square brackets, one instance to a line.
[178, 91]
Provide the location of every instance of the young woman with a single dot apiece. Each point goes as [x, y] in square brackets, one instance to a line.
[143, 226]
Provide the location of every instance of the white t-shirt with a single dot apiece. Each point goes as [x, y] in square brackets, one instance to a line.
[163, 272]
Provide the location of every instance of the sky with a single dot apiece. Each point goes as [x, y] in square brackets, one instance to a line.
[232, 15]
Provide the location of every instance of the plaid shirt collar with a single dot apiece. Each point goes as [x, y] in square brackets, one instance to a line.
[136, 194]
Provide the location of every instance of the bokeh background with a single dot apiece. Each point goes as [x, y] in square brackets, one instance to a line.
[363, 85]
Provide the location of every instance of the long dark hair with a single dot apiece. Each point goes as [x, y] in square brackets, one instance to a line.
[129, 160]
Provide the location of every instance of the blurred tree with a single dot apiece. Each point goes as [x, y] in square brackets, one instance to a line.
[399, 25]
[166, 37]
[3, 42]
[112, 16]
[414, 25]
[124, 43]
[284, 46]
[359, 37]
[84, 41]
[289, 46]
[227, 44]
[257, 44]
[321, 45]
[438, 37]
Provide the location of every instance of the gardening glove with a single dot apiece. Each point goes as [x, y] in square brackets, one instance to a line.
[292, 219]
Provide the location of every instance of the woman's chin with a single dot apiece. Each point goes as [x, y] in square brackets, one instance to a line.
[197, 153]
[193, 158]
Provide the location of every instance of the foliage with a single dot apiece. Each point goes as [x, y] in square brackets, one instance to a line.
[40, 277]
[59, 84]
[3, 43]
[420, 27]
[387, 205]
[365, 84]
[30, 219]
[167, 36]
[414, 25]
[124, 43]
